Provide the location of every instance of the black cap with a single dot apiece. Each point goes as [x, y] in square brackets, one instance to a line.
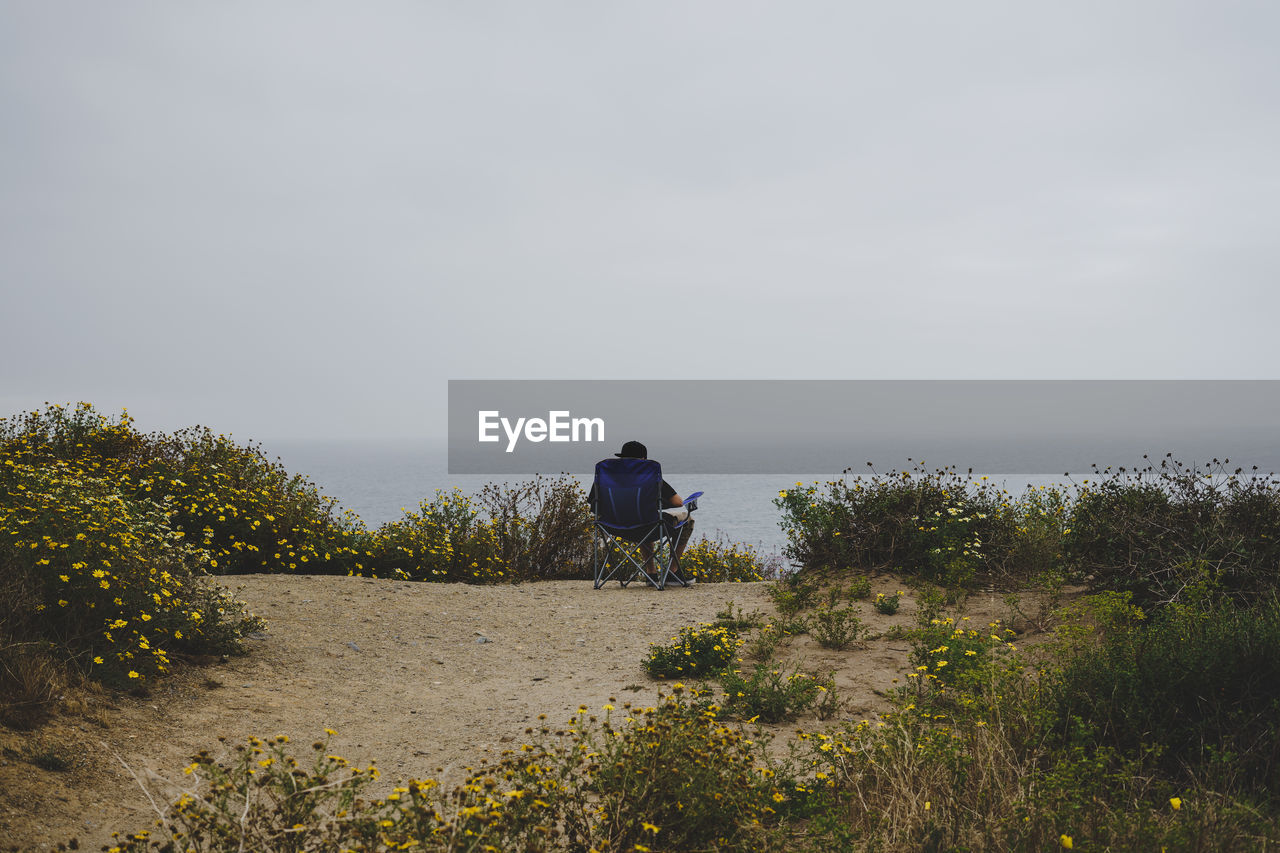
[633, 450]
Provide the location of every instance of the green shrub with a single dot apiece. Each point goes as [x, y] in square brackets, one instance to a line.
[791, 594]
[938, 525]
[887, 604]
[1152, 531]
[718, 560]
[1199, 687]
[860, 588]
[697, 652]
[958, 655]
[542, 526]
[671, 777]
[445, 540]
[100, 576]
[837, 629]
[770, 695]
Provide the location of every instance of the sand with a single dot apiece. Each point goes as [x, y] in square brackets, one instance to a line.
[426, 679]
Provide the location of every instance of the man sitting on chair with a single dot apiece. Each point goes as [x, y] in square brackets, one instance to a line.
[636, 450]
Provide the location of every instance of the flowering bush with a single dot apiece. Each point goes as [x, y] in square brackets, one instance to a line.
[837, 629]
[959, 655]
[1158, 531]
[887, 604]
[668, 777]
[1153, 531]
[697, 652]
[445, 540]
[102, 577]
[938, 524]
[246, 513]
[717, 560]
[773, 695]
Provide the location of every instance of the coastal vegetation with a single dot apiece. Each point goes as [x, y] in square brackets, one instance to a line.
[1142, 718]
[1130, 707]
[109, 538]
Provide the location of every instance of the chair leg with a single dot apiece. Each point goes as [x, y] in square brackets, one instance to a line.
[613, 557]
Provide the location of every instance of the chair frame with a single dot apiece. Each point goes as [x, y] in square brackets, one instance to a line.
[616, 549]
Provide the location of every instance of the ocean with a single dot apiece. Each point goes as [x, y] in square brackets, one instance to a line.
[380, 480]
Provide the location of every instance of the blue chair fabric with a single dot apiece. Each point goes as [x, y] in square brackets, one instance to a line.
[628, 498]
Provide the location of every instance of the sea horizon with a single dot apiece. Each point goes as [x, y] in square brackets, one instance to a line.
[379, 480]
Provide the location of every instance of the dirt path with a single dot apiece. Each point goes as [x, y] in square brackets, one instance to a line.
[415, 676]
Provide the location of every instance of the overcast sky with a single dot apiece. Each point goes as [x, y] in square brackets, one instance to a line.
[300, 219]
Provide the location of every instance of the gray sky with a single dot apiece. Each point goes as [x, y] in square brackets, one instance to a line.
[299, 219]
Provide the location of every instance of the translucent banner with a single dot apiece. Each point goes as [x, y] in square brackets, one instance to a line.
[827, 426]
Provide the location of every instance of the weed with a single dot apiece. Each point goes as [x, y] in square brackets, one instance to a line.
[772, 695]
[794, 626]
[30, 681]
[50, 758]
[887, 604]
[697, 652]
[837, 629]
[671, 776]
[792, 594]
[737, 622]
[860, 588]
[764, 644]
[719, 560]
[896, 632]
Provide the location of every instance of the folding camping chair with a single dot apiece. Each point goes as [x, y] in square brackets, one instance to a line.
[629, 516]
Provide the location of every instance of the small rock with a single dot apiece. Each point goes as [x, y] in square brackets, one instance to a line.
[483, 639]
[353, 645]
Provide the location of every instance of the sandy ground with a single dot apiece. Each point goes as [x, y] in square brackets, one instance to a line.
[423, 678]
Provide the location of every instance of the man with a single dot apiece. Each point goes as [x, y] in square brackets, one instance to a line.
[669, 497]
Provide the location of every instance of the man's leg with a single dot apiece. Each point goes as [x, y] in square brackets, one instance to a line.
[646, 551]
[685, 532]
[682, 539]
